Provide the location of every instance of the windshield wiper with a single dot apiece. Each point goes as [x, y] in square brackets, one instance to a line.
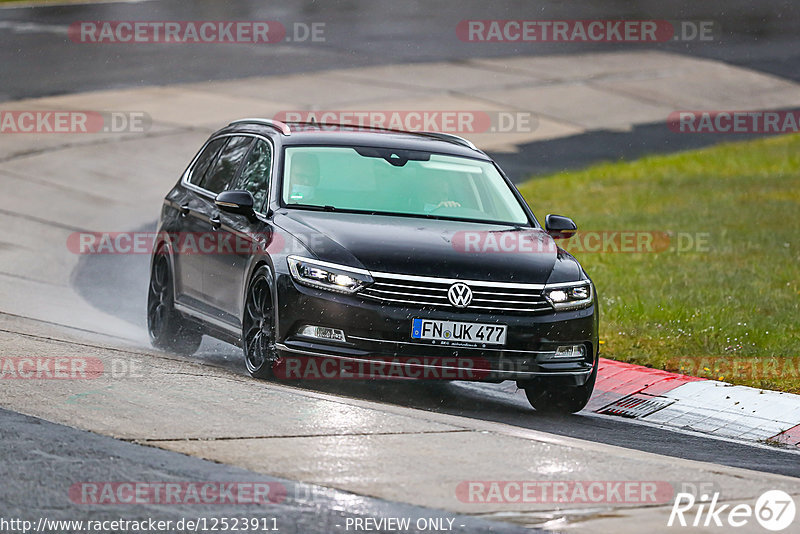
[312, 207]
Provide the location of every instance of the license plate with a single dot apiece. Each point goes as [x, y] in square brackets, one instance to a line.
[452, 331]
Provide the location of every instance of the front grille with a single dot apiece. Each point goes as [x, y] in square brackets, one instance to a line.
[424, 292]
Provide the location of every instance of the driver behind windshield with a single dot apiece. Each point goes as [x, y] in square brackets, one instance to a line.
[438, 195]
[303, 178]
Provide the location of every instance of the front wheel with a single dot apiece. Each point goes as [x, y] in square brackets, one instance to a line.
[549, 398]
[258, 325]
[167, 328]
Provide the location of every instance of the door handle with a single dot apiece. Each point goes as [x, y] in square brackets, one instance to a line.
[216, 224]
[184, 210]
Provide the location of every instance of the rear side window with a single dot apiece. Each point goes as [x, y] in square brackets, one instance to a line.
[204, 161]
[222, 172]
[255, 174]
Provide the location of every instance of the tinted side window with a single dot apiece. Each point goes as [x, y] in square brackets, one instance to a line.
[256, 173]
[222, 172]
[204, 161]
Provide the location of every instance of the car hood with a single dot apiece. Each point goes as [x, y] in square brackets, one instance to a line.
[431, 247]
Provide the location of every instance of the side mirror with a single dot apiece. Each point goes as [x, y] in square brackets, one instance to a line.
[236, 201]
[560, 227]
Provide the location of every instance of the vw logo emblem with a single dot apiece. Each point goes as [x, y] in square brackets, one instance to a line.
[459, 295]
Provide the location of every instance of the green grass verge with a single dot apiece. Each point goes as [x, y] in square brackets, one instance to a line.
[730, 310]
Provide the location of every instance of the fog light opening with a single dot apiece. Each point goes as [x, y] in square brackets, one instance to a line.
[322, 332]
[570, 351]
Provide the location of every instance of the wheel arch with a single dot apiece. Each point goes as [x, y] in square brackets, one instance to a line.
[256, 262]
[162, 243]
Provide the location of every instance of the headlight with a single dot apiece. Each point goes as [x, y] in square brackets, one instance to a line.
[572, 296]
[330, 276]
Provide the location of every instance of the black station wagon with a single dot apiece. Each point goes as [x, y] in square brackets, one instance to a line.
[333, 252]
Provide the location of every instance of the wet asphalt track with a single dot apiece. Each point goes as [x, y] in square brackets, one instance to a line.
[38, 58]
[36, 62]
[761, 36]
[116, 284]
[55, 457]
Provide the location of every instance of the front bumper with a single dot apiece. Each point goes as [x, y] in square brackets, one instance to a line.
[378, 340]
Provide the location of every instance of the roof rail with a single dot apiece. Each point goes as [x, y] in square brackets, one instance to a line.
[346, 126]
[452, 138]
[438, 135]
[278, 125]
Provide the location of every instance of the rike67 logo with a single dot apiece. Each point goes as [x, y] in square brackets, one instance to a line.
[774, 510]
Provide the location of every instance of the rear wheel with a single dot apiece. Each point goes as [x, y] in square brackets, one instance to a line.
[563, 399]
[167, 328]
[258, 325]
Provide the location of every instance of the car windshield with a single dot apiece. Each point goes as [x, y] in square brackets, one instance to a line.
[402, 182]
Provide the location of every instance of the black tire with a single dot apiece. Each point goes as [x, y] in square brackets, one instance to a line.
[563, 399]
[167, 327]
[258, 325]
